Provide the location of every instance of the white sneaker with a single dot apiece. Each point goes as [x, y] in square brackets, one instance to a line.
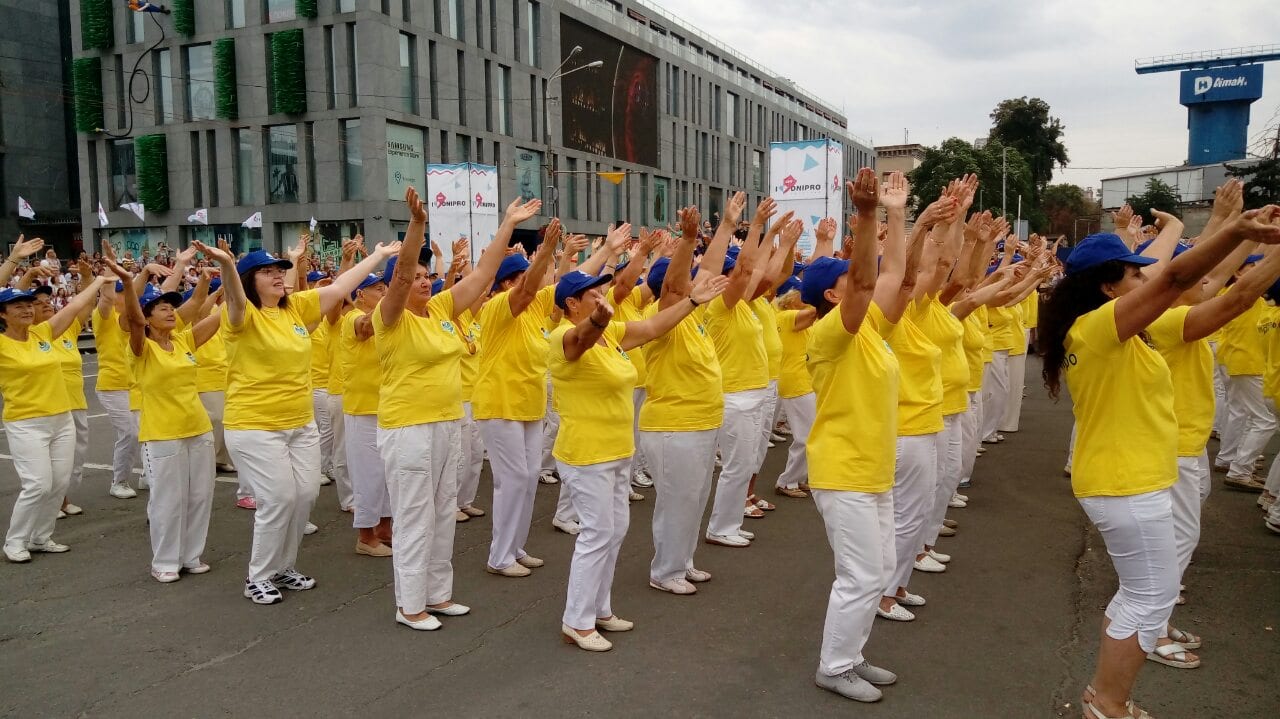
[325, 480]
[679, 585]
[746, 534]
[961, 497]
[566, 526]
[62, 514]
[775, 437]
[17, 555]
[49, 547]
[728, 540]
[72, 510]
[310, 529]
[122, 491]
[929, 564]
[939, 556]
[548, 477]
[899, 613]
[957, 504]
[911, 600]
[641, 479]
[697, 575]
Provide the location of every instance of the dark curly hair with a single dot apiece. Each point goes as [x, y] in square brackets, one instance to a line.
[1075, 295]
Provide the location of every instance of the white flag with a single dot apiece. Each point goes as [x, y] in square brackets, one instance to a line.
[25, 209]
[102, 216]
[314, 225]
[137, 209]
[254, 221]
[201, 215]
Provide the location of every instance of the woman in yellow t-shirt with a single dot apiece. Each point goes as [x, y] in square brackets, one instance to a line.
[420, 355]
[795, 386]
[270, 427]
[174, 428]
[852, 442]
[115, 377]
[37, 416]
[1093, 333]
[630, 298]
[594, 381]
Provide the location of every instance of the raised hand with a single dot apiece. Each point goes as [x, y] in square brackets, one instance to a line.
[297, 251]
[361, 250]
[219, 254]
[826, 230]
[349, 247]
[1260, 225]
[518, 212]
[708, 287]
[690, 222]
[895, 192]
[116, 269]
[1229, 198]
[24, 248]
[158, 270]
[185, 257]
[767, 208]
[574, 244]
[734, 207]
[417, 210]
[387, 250]
[461, 246]
[618, 237]
[1122, 216]
[864, 191]
[792, 231]
[944, 209]
[602, 314]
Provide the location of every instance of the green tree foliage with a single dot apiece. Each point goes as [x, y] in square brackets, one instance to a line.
[1261, 182]
[1026, 125]
[1062, 204]
[1159, 195]
[955, 158]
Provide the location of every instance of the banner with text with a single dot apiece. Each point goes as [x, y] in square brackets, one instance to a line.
[806, 178]
[462, 200]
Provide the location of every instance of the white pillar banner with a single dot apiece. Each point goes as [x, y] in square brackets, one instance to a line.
[462, 200]
[806, 178]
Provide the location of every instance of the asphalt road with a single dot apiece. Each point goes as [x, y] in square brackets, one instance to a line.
[1010, 629]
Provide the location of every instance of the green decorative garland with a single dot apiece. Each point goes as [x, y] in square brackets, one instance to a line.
[184, 16]
[151, 158]
[288, 72]
[96, 29]
[308, 8]
[86, 78]
[224, 78]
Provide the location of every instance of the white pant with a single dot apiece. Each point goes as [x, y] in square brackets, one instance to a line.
[81, 419]
[860, 530]
[550, 428]
[1219, 392]
[215, 404]
[1251, 422]
[915, 482]
[181, 498]
[365, 467]
[801, 412]
[565, 510]
[739, 442]
[1017, 370]
[638, 461]
[1187, 497]
[338, 472]
[1138, 531]
[600, 495]
[515, 453]
[949, 443]
[125, 455]
[970, 424]
[324, 425]
[681, 464]
[422, 463]
[472, 458]
[42, 449]
[768, 411]
[995, 393]
[1273, 477]
[282, 469]
[1071, 447]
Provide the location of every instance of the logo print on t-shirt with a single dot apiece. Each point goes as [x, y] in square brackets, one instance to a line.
[44, 346]
[66, 344]
[300, 331]
[624, 354]
[191, 358]
[447, 326]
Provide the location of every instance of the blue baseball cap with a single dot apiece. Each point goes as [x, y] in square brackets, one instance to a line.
[152, 297]
[260, 258]
[437, 287]
[621, 266]
[119, 286]
[1178, 248]
[511, 265]
[733, 252]
[820, 276]
[43, 290]
[657, 274]
[372, 278]
[1252, 260]
[1063, 253]
[9, 294]
[1102, 247]
[791, 284]
[576, 282]
[315, 276]
[797, 268]
[1273, 292]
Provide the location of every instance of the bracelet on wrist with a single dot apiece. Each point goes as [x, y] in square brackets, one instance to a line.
[695, 302]
[597, 325]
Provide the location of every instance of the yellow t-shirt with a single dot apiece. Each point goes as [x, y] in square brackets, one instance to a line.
[683, 388]
[337, 382]
[772, 340]
[512, 383]
[320, 341]
[1240, 351]
[1019, 331]
[1267, 330]
[739, 342]
[421, 361]
[920, 386]
[361, 376]
[1191, 368]
[171, 408]
[794, 380]
[974, 340]
[470, 328]
[988, 337]
[112, 342]
[1031, 310]
[1122, 392]
[947, 334]
[67, 348]
[31, 379]
[593, 397]
[632, 310]
[1001, 322]
[211, 363]
[852, 445]
[269, 365]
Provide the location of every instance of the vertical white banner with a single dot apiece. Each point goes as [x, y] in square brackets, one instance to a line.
[484, 207]
[835, 187]
[804, 177]
[462, 202]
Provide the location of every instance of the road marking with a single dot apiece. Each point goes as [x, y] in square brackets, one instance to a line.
[106, 467]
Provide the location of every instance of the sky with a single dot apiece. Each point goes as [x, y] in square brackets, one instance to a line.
[937, 69]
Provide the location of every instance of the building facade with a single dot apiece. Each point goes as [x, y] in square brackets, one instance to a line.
[330, 108]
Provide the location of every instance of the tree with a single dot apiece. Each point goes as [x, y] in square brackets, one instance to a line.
[1062, 204]
[955, 158]
[1025, 124]
[1261, 182]
[1159, 195]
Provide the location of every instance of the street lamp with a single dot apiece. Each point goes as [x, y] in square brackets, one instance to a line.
[553, 195]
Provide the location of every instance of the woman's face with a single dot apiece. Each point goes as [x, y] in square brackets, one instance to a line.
[584, 306]
[163, 316]
[269, 282]
[421, 290]
[43, 308]
[369, 297]
[20, 313]
[1132, 280]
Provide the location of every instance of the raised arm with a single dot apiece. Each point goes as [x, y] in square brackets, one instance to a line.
[617, 239]
[232, 291]
[522, 295]
[676, 284]
[627, 276]
[476, 285]
[749, 269]
[181, 262]
[1211, 315]
[1162, 247]
[896, 281]
[824, 244]
[204, 330]
[399, 284]
[295, 255]
[190, 310]
[22, 249]
[573, 244]
[133, 320]
[332, 295]
[861, 283]
[713, 258]
[586, 333]
[647, 330]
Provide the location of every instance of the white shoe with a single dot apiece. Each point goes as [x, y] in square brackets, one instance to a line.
[49, 547]
[122, 491]
[679, 585]
[728, 540]
[72, 510]
[957, 504]
[697, 575]
[911, 600]
[961, 497]
[310, 529]
[641, 479]
[775, 437]
[453, 610]
[548, 478]
[425, 625]
[165, 577]
[899, 613]
[62, 514]
[566, 526]
[325, 480]
[747, 535]
[939, 556]
[929, 564]
[17, 555]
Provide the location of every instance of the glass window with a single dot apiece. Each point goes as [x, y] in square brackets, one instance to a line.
[200, 98]
[462, 89]
[353, 66]
[352, 162]
[532, 26]
[459, 17]
[281, 10]
[245, 194]
[163, 80]
[432, 71]
[137, 26]
[504, 99]
[346, 5]
[464, 148]
[731, 115]
[282, 164]
[408, 73]
[124, 177]
[451, 23]
[235, 13]
[570, 193]
[757, 164]
[330, 67]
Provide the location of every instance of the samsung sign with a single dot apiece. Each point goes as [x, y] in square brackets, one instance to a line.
[1221, 84]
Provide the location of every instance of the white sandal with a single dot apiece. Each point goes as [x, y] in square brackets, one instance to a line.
[1186, 639]
[1173, 655]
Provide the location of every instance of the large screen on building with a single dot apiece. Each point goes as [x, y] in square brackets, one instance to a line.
[610, 110]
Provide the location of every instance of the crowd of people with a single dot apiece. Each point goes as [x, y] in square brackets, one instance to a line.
[890, 358]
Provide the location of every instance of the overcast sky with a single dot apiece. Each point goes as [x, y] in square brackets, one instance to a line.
[939, 68]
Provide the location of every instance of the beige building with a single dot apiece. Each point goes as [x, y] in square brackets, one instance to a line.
[897, 158]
